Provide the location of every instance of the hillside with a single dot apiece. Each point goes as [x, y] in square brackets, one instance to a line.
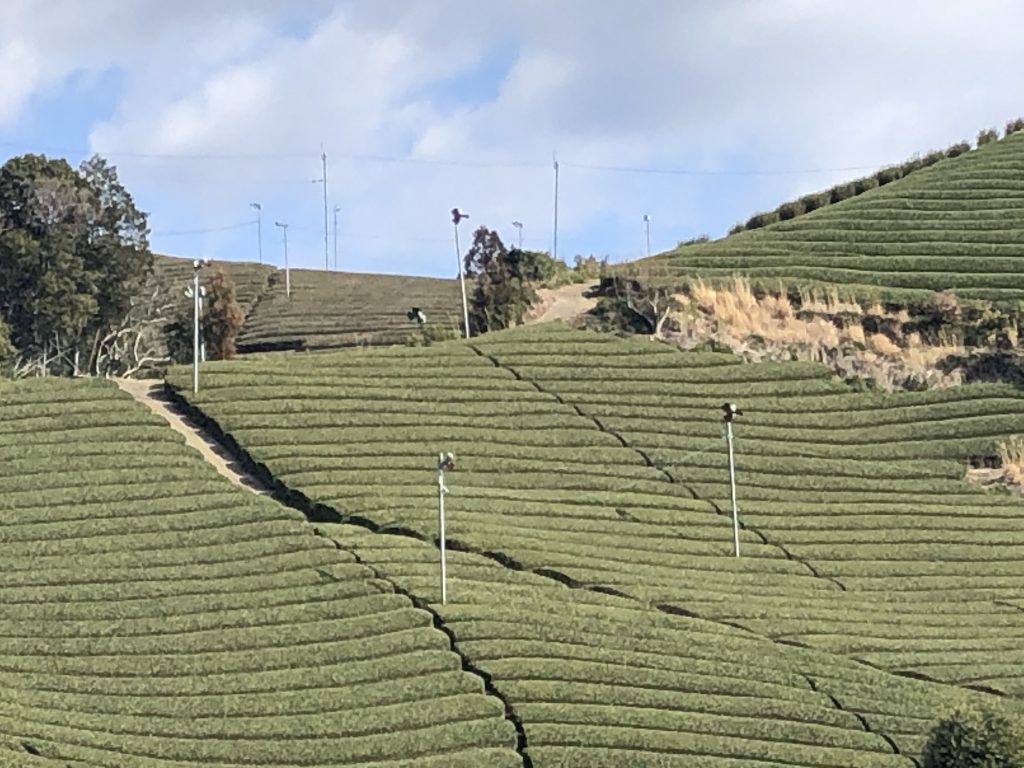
[153, 615]
[602, 460]
[957, 225]
[341, 309]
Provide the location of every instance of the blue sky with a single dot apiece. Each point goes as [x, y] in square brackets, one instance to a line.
[426, 105]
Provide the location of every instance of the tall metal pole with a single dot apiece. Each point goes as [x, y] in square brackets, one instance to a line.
[458, 216]
[441, 491]
[195, 327]
[732, 483]
[519, 226]
[287, 272]
[647, 227]
[554, 248]
[336, 209]
[323, 158]
[259, 229]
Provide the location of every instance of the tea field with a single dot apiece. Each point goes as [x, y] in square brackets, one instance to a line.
[600, 462]
[955, 226]
[341, 309]
[153, 615]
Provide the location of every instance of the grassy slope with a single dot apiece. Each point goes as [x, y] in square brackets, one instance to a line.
[154, 615]
[601, 460]
[338, 309]
[958, 225]
[251, 280]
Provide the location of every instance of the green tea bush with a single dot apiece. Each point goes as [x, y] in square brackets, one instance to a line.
[987, 136]
[976, 737]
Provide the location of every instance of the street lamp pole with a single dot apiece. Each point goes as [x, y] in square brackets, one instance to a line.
[519, 226]
[287, 273]
[458, 216]
[731, 411]
[197, 264]
[444, 461]
[323, 180]
[554, 249]
[647, 227]
[259, 228]
[336, 210]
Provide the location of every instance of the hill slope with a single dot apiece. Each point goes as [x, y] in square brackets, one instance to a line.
[602, 460]
[955, 226]
[153, 615]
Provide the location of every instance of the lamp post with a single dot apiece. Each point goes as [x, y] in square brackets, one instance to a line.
[444, 461]
[458, 216]
[197, 264]
[647, 228]
[323, 180]
[730, 411]
[259, 229]
[337, 209]
[554, 245]
[519, 226]
[287, 273]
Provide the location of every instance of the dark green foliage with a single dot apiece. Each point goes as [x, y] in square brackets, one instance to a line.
[976, 737]
[736, 228]
[73, 255]
[987, 136]
[588, 268]
[759, 220]
[955, 150]
[222, 317]
[1014, 126]
[790, 210]
[887, 175]
[504, 281]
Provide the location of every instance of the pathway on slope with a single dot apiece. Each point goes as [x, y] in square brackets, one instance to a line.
[150, 392]
[565, 303]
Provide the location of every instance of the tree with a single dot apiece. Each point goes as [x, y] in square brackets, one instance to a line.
[222, 317]
[627, 304]
[504, 282]
[976, 737]
[73, 255]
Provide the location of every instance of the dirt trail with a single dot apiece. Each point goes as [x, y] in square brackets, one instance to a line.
[563, 303]
[150, 392]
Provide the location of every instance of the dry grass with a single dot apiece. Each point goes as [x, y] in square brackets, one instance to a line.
[1011, 454]
[772, 328]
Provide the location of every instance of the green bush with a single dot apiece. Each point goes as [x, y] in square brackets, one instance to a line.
[975, 737]
[1014, 126]
[958, 149]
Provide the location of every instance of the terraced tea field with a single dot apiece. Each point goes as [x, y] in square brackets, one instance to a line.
[955, 226]
[154, 616]
[601, 461]
[251, 280]
[341, 309]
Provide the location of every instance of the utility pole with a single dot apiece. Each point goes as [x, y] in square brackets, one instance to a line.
[647, 227]
[458, 216]
[519, 226]
[259, 228]
[336, 210]
[287, 273]
[197, 264]
[554, 249]
[731, 411]
[323, 180]
[444, 461]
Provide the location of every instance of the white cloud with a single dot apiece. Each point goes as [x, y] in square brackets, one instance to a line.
[786, 84]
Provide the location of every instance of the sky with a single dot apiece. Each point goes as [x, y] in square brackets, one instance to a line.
[696, 113]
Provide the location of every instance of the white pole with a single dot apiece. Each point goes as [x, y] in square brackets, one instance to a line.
[259, 229]
[441, 490]
[647, 226]
[462, 280]
[287, 272]
[336, 209]
[732, 483]
[554, 249]
[327, 262]
[202, 338]
[195, 328]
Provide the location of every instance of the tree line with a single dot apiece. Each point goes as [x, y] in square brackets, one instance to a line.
[78, 292]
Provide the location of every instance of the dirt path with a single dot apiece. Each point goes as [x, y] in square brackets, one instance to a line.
[150, 392]
[563, 303]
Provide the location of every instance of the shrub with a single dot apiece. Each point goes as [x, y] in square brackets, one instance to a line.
[987, 136]
[1014, 126]
[975, 737]
[695, 240]
[887, 175]
[736, 228]
[841, 192]
[958, 149]
[222, 317]
[789, 211]
[815, 201]
[759, 220]
[931, 158]
[860, 186]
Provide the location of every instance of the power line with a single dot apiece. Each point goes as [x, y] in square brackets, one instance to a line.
[453, 162]
[177, 232]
